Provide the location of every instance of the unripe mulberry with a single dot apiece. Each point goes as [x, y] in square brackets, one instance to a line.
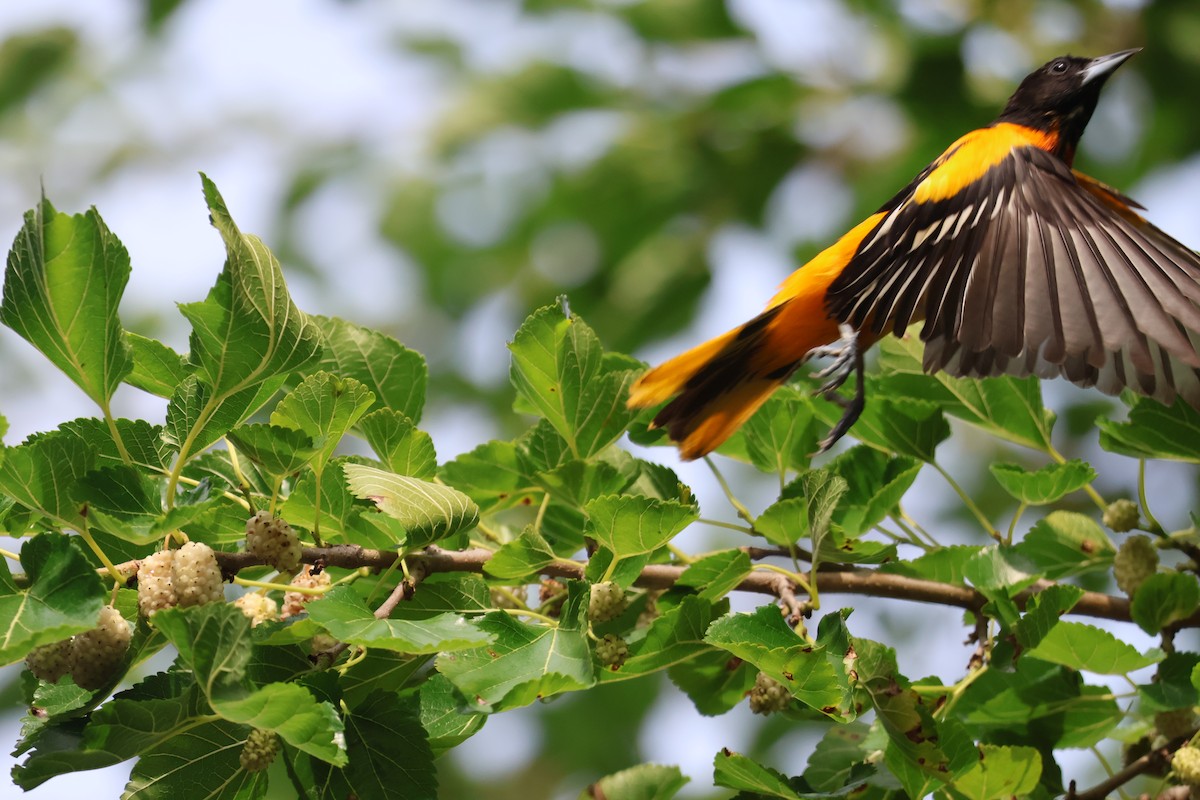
[1121, 515]
[293, 602]
[607, 602]
[258, 607]
[1186, 764]
[1135, 561]
[50, 661]
[612, 651]
[768, 695]
[273, 540]
[259, 751]
[96, 654]
[1173, 724]
[197, 576]
[156, 587]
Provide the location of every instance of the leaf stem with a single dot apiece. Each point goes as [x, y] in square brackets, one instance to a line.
[742, 511]
[282, 587]
[115, 433]
[100, 554]
[968, 502]
[525, 612]
[1152, 524]
[1012, 526]
[10, 554]
[716, 523]
[541, 514]
[809, 589]
[1088, 488]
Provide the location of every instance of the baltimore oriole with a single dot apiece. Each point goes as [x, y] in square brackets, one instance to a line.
[1016, 263]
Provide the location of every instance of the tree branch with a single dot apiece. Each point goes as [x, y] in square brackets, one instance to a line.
[1157, 758]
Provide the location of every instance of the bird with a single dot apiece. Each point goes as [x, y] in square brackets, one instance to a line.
[1014, 262]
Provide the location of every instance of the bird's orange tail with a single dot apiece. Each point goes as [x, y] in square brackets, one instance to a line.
[719, 384]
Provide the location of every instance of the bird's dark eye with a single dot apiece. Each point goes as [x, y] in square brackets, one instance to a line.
[1058, 66]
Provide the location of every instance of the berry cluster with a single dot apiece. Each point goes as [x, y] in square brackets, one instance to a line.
[612, 651]
[259, 751]
[1173, 724]
[607, 602]
[273, 540]
[90, 657]
[50, 661]
[188, 576]
[1186, 763]
[1121, 515]
[768, 695]
[294, 602]
[258, 607]
[1135, 561]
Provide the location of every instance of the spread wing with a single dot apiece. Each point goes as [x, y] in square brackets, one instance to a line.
[1033, 268]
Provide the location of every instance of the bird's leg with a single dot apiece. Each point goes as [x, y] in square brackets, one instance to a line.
[847, 357]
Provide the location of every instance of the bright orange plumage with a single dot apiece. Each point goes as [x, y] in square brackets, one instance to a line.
[1016, 264]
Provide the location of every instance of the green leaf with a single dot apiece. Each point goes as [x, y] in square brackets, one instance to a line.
[64, 597]
[325, 406]
[64, 281]
[1154, 431]
[526, 662]
[1065, 543]
[1087, 648]
[714, 680]
[335, 513]
[806, 516]
[903, 425]
[838, 759]
[558, 372]
[674, 637]
[247, 330]
[783, 434]
[201, 761]
[156, 369]
[390, 756]
[1047, 485]
[875, 484]
[1043, 612]
[394, 373]
[401, 447]
[576, 483]
[492, 475]
[346, 615]
[1001, 772]
[523, 557]
[196, 418]
[736, 771]
[442, 715]
[214, 642]
[1164, 598]
[277, 449]
[43, 475]
[716, 574]
[643, 782]
[1174, 684]
[1008, 408]
[428, 511]
[630, 525]
[766, 641]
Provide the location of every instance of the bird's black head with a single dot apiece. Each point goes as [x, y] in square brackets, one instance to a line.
[1059, 97]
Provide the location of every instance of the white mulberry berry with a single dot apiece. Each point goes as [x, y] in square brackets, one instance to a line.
[294, 602]
[768, 695]
[1135, 561]
[50, 661]
[1186, 763]
[612, 651]
[273, 540]
[197, 576]
[156, 588]
[607, 602]
[259, 751]
[96, 654]
[258, 607]
[1121, 515]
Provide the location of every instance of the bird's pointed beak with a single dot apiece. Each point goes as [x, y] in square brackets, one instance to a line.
[1102, 67]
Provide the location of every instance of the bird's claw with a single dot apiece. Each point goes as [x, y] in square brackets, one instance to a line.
[847, 359]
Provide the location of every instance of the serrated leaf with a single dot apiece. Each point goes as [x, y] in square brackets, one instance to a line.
[390, 756]
[1043, 612]
[838, 758]
[577, 483]
[674, 637]
[906, 426]
[782, 435]
[736, 771]
[394, 373]
[1047, 485]
[557, 369]
[214, 642]
[325, 406]
[202, 761]
[875, 484]
[1174, 684]
[442, 715]
[400, 445]
[1154, 431]
[428, 511]
[523, 557]
[765, 640]
[643, 782]
[62, 286]
[247, 330]
[277, 449]
[1001, 772]
[1090, 649]
[492, 475]
[64, 597]
[1066, 543]
[43, 474]
[335, 512]
[196, 418]
[526, 662]
[346, 615]
[156, 368]
[1009, 408]
[1163, 598]
[714, 680]
[715, 575]
[629, 525]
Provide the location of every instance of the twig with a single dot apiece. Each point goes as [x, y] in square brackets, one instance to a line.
[1155, 759]
[404, 590]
